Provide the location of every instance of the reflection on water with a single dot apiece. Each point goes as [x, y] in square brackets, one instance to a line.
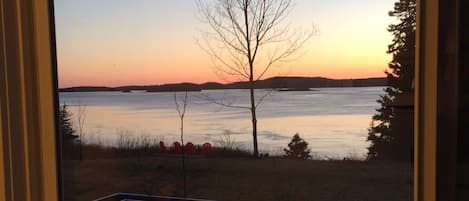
[334, 121]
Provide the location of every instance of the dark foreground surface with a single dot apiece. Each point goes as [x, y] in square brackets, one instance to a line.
[142, 197]
[274, 179]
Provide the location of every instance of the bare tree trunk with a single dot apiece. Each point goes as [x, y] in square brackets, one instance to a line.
[251, 79]
[254, 119]
[183, 156]
[182, 113]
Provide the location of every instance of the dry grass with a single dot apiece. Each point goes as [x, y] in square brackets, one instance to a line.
[240, 179]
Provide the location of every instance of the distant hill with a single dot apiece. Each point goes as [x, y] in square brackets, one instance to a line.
[270, 83]
[87, 88]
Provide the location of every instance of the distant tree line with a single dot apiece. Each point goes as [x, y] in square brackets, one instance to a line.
[392, 127]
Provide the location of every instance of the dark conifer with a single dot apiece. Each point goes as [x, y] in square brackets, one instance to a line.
[391, 131]
[297, 148]
[67, 133]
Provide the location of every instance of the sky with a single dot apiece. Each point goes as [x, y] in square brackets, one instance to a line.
[144, 42]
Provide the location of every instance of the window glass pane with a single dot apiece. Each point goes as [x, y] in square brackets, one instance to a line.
[236, 100]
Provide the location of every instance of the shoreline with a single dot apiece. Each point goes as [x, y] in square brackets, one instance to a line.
[269, 83]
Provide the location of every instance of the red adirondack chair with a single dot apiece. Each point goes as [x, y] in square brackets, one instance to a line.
[162, 147]
[206, 148]
[190, 148]
[177, 147]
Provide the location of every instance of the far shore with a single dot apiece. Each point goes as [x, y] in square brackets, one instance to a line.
[276, 83]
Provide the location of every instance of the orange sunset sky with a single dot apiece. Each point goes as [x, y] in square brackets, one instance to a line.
[142, 42]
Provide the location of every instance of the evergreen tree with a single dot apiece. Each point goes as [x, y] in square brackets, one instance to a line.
[391, 131]
[297, 148]
[67, 133]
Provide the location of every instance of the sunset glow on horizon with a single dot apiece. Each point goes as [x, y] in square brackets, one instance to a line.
[145, 42]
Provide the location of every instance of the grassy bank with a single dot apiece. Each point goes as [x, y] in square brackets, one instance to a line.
[238, 178]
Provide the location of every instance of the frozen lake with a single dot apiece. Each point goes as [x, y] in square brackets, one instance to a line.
[334, 121]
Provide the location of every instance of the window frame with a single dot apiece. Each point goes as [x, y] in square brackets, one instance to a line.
[426, 65]
[28, 157]
[29, 163]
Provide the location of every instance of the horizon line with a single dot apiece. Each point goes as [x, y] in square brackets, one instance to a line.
[199, 83]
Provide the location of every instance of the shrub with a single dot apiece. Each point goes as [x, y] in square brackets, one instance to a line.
[297, 148]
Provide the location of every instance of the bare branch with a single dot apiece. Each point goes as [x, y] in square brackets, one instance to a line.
[287, 52]
[263, 97]
[181, 111]
[242, 32]
[230, 69]
[218, 102]
[177, 104]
